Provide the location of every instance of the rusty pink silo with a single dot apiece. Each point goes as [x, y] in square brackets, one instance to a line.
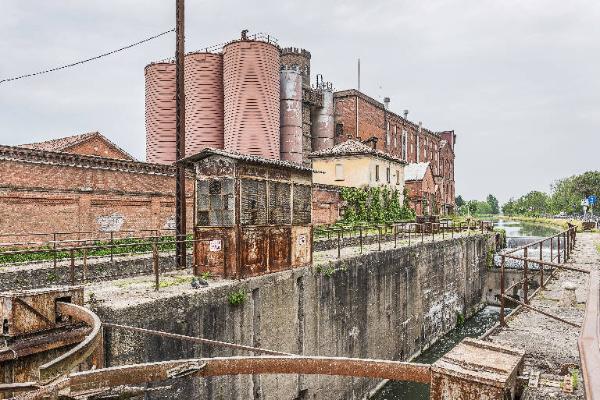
[160, 113]
[203, 102]
[251, 90]
[291, 115]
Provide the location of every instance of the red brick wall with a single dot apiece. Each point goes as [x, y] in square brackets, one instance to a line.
[98, 147]
[38, 197]
[326, 204]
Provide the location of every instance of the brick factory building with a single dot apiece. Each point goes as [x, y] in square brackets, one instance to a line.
[51, 191]
[358, 116]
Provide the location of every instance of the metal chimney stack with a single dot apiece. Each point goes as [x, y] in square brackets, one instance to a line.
[386, 102]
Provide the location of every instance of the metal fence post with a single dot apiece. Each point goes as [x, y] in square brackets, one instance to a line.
[339, 250]
[155, 265]
[395, 236]
[111, 246]
[360, 239]
[85, 266]
[552, 249]
[558, 248]
[564, 248]
[72, 267]
[54, 247]
[502, 322]
[541, 267]
[422, 231]
[379, 237]
[525, 278]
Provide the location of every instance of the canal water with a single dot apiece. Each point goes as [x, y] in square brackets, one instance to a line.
[473, 327]
[516, 229]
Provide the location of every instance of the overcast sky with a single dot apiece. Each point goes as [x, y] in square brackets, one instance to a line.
[519, 81]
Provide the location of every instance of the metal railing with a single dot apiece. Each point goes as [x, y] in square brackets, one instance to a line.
[563, 254]
[80, 250]
[413, 232]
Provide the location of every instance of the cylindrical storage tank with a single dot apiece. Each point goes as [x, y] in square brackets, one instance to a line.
[203, 102]
[160, 113]
[323, 123]
[291, 115]
[251, 89]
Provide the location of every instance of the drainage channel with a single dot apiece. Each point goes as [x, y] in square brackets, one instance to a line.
[473, 327]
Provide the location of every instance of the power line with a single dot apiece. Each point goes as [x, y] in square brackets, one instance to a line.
[88, 59]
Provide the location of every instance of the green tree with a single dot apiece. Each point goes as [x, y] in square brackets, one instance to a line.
[471, 206]
[459, 201]
[492, 201]
[483, 208]
[509, 207]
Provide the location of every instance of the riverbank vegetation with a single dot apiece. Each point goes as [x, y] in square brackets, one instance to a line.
[488, 207]
[564, 198]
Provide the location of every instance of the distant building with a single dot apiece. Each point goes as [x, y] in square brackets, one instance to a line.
[354, 164]
[87, 144]
[360, 117]
[350, 164]
[421, 188]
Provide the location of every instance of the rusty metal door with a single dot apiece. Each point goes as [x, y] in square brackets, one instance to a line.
[279, 248]
[254, 249]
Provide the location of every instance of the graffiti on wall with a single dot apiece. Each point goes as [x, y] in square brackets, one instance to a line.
[110, 223]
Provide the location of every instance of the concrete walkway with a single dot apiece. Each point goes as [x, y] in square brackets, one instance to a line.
[551, 345]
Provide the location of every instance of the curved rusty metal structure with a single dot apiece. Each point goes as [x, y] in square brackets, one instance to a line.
[162, 371]
[93, 341]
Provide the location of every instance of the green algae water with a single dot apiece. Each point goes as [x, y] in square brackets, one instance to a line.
[473, 327]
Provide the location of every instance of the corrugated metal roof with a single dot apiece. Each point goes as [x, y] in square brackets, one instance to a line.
[415, 171]
[207, 152]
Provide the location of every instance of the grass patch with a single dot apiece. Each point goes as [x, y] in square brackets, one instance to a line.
[237, 298]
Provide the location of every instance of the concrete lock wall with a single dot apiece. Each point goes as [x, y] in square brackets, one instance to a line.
[387, 305]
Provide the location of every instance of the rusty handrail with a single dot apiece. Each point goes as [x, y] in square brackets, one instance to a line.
[568, 236]
[137, 374]
[589, 340]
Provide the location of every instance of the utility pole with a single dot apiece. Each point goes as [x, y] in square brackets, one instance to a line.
[180, 202]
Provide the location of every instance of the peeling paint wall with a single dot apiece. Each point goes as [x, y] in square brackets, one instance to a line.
[388, 305]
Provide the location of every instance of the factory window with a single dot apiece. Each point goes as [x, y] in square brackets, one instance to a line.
[302, 205]
[377, 173]
[395, 135]
[253, 202]
[279, 203]
[339, 172]
[388, 175]
[215, 202]
[397, 177]
[339, 129]
[387, 134]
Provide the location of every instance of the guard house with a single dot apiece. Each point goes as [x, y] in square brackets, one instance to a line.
[252, 214]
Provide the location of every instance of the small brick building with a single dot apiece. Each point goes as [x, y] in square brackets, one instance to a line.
[252, 214]
[421, 188]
